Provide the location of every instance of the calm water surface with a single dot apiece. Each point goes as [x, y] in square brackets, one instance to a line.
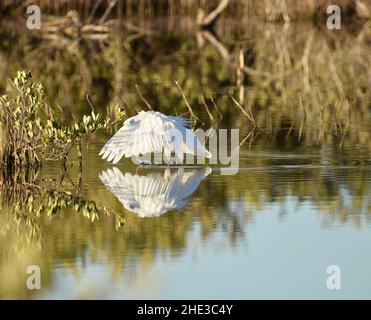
[269, 231]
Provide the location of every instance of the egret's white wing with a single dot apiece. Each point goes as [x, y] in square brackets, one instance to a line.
[180, 121]
[144, 133]
[153, 194]
[136, 136]
[152, 132]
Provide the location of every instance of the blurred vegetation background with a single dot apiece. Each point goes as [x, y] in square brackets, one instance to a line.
[266, 9]
[307, 89]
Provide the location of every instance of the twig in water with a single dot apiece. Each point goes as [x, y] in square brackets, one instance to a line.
[95, 7]
[217, 109]
[90, 104]
[250, 116]
[186, 101]
[207, 109]
[251, 136]
[210, 19]
[143, 99]
[107, 12]
[240, 76]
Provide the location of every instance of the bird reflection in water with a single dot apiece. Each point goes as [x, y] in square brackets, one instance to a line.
[155, 193]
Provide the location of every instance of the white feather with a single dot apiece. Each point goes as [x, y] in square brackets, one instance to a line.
[148, 132]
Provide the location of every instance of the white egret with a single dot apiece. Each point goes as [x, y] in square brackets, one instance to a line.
[152, 131]
[156, 193]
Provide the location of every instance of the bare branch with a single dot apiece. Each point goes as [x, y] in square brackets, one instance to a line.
[211, 18]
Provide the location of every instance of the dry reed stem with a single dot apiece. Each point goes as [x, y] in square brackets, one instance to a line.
[186, 101]
[142, 97]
